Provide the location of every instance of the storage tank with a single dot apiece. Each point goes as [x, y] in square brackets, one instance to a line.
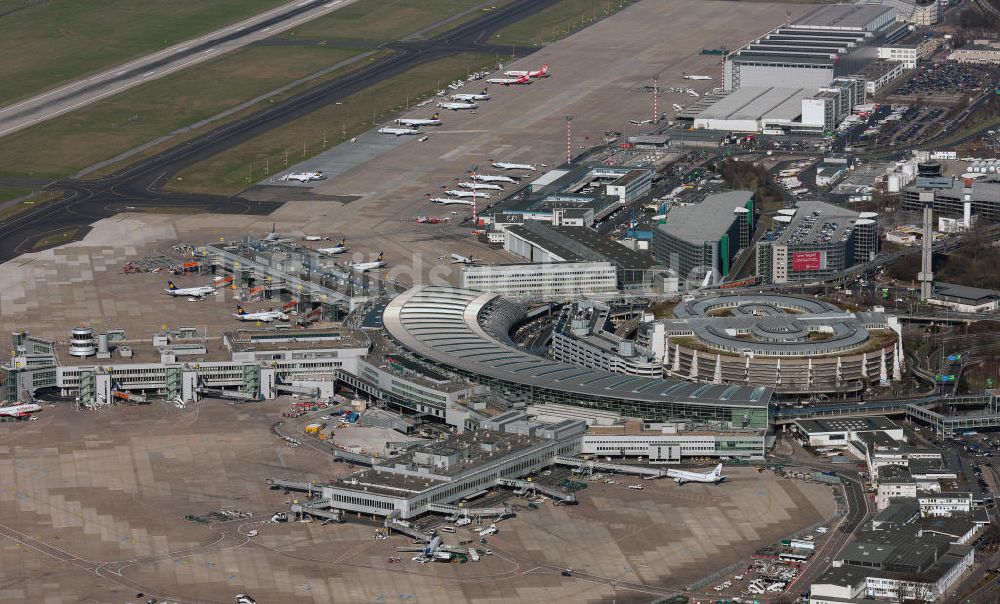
[81, 342]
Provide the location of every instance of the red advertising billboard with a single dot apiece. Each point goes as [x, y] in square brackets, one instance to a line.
[807, 261]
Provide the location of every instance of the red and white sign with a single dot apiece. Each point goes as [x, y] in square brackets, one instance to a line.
[807, 261]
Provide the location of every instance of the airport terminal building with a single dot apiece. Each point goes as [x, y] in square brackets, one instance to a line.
[466, 331]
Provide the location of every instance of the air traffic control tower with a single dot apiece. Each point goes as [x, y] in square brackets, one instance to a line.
[929, 179]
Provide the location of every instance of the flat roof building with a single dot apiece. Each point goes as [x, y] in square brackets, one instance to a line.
[815, 240]
[538, 242]
[553, 280]
[700, 241]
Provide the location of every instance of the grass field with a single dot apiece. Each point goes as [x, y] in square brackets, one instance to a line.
[8, 193]
[55, 239]
[237, 168]
[380, 20]
[558, 21]
[46, 43]
[37, 199]
[64, 145]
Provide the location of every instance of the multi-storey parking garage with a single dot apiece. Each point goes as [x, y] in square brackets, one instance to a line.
[466, 331]
[797, 346]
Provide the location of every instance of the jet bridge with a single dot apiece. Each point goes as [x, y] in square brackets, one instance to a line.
[529, 485]
[400, 526]
[444, 508]
[319, 508]
[590, 464]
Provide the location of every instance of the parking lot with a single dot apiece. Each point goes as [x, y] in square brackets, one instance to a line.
[947, 81]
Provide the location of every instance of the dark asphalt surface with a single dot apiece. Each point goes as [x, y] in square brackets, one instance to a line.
[138, 185]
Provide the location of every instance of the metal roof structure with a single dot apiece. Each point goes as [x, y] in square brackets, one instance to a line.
[451, 327]
[708, 220]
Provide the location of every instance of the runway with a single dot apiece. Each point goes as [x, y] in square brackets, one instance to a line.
[138, 185]
[80, 93]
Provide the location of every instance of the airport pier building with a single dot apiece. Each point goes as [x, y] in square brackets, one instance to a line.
[179, 366]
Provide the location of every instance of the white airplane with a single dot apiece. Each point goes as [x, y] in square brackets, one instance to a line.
[467, 96]
[460, 259]
[399, 131]
[682, 476]
[340, 248]
[678, 107]
[534, 73]
[510, 81]
[450, 201]
[364, 267]
[314, 238]
[480, 185]
[273, 235]
[457, 106]
[491, 178]
[640, 122]
[697, 77]
[303, 176]
[693, 93]
[196, 292]
[473, 194]
[20, 411]
[503, 165]
[428, 550]
[265, 316]
[434, 120]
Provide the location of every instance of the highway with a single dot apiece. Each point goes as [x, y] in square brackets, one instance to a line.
[85, 91]
[138, 185]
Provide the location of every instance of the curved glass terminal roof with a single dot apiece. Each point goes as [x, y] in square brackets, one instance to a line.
[442, 324]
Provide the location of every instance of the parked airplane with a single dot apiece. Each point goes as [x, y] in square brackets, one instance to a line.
[20, 411]
[503, 165]
[474, 194]
[682, 476]
[450, 201]
[266, 315]
[428, 550]
[435, 120]
[460, 259]
[678, 107]
[510, 81]
[457, 106]
[364, 267]
[480, 185]
[273, 235]
[314, 238]
[468, 96]
[534, 73]
[340, 248]
[303, 176]
[697, 77]
[197, 292]
[640, 122]
[693, 93]
[399, 131]
[491, 178]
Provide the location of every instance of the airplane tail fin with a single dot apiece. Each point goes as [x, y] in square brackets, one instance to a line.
[379, 259]
[717, 473]
[171, 285]
[436, 116]
[343, 241]
[544, 69]
[240, 310]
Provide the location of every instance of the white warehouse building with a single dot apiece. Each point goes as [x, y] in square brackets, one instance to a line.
[548, 280]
